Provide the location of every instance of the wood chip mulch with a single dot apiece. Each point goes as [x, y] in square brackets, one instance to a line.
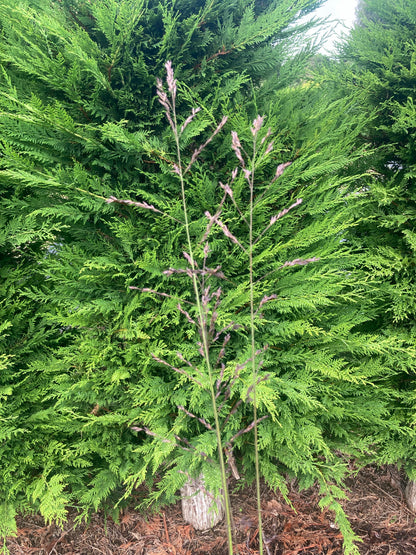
[375, 507]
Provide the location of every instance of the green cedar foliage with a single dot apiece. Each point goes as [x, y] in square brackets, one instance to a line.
[103, 413]
[380, 57]
[377, 67]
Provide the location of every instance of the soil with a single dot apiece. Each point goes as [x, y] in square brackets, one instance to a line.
[375, 507]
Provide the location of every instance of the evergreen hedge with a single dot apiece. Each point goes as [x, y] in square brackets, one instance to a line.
[88, 410]
[376, 66]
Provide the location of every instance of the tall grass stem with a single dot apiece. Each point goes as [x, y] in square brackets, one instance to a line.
[204, 336]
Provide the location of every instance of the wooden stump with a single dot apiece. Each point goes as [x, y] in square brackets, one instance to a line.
[410, 495]
[199, 507]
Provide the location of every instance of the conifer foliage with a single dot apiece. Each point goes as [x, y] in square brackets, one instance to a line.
[380, 55]
[104, 385]
[377, 67]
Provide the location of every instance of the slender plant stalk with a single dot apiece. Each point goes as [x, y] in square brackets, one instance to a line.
[204, 336]
[253, 348]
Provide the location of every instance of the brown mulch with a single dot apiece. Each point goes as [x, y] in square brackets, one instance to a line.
[375, 508]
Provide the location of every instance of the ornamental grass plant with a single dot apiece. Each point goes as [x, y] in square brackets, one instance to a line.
[212, 377]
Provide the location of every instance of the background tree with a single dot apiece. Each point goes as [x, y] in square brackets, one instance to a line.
[376, 66]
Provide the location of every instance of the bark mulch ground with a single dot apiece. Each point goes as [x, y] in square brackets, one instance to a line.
[376, 509]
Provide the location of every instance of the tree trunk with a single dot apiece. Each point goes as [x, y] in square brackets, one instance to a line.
[410, 495]
[199, 507]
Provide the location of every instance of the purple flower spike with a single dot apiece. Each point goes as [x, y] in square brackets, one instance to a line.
[143, 204]
[227, 189]
[274, 219]
[170, 79]
[247, 173]
[266, 299]
[190, 118]
[267, 135]
[206, 250]
[225, 229]
[198, 150]
[188, 258]
[236, 145]
[257, 123]
[269, 148]
[299, 262]
[280, 169]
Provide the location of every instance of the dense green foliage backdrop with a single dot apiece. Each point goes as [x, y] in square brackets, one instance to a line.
[80, 122]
